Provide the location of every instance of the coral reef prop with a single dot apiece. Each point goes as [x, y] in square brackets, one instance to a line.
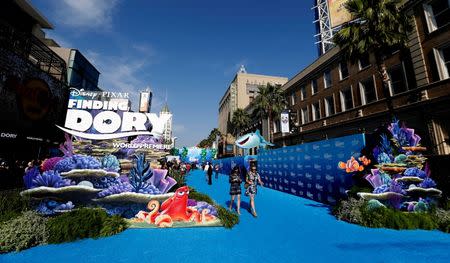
[374, 204]
[403, 136]
[117, 188]
[102, 182]
[140, 173]
[67, 147]
[86, 183]
[29, 176]
[50, 207]
[160, 180]
[381, 189]
[401, 158]
[77, 161]
[414, 171]
[200, 206]
[49, 164]
[73, 192]
[380, 196]
[131, 197]
[428, 183]
[173, 209]
[89, 173]
[421, 206]
[409, 179]
[110, 163]
[419, 191]
[50, 179]
[374, 178]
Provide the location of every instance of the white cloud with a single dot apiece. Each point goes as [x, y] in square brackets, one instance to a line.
[86, 14]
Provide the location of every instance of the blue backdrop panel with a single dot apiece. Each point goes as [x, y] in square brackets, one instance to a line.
[310, 170]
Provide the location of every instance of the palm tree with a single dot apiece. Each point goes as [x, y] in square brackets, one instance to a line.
[270, 102]
[378, 27]
[240, 120]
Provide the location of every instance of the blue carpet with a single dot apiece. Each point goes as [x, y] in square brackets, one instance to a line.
[288, 229]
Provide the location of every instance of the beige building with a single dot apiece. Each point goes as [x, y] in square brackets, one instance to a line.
[241, 92]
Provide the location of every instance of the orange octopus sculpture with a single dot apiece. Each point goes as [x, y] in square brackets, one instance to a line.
[173, 209]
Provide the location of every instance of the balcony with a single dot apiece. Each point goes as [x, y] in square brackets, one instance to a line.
[32, 49]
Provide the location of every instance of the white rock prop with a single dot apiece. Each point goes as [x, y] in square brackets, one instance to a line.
[382, 196]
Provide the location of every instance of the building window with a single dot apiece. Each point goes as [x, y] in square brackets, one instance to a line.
[298, 120]
[293, 99]
[327, 79]
[368, 93]
[329, 106]
[442, 56]
[315, 107]
[343, 70]
[302, 92]
[305, 115]
[437, 13]
[398, 83]
[314, 88]
[364, 62]
[346, 99]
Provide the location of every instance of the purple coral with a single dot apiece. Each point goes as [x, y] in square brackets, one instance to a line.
[428, 183]
[67, 146]
[160, 180]
[396, 188]
[30, 175]
[49, 164]
[403, 135]
[204, 205]
[77, 161]
[374, 179]
[118, 188]
[51, 179]
[381, 189]
[414, 171]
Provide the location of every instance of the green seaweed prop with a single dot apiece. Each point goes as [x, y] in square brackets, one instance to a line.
[140, 173]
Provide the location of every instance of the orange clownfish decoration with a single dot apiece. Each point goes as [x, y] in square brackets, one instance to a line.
[352, 165]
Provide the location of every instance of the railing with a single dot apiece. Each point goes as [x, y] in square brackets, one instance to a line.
[30, 47]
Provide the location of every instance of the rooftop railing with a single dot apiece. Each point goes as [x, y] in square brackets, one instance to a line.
[31, 48]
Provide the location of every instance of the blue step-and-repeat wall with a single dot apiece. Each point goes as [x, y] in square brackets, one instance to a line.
[311, 170]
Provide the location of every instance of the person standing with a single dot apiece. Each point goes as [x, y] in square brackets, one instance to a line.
[252, 181]
[235, 189]
[209, 173]
[216, 171]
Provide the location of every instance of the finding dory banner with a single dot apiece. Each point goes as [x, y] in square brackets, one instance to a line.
[309, 170]
[227, 164]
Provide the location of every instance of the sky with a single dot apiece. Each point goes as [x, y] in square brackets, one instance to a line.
[186, 51]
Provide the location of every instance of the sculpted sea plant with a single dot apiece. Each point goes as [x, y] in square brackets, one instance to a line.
[140, 173]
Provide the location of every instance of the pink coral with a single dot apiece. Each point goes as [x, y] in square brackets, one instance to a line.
[49, 164]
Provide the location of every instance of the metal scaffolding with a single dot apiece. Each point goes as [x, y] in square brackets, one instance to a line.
[324, 34]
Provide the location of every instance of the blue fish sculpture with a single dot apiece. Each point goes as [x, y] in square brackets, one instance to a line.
[252, 140]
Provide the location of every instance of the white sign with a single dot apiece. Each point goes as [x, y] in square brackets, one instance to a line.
[284, 122]
[109, 124]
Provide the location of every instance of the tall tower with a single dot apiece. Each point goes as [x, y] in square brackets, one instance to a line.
[145, 101]
[167, 134]
[324, 28]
